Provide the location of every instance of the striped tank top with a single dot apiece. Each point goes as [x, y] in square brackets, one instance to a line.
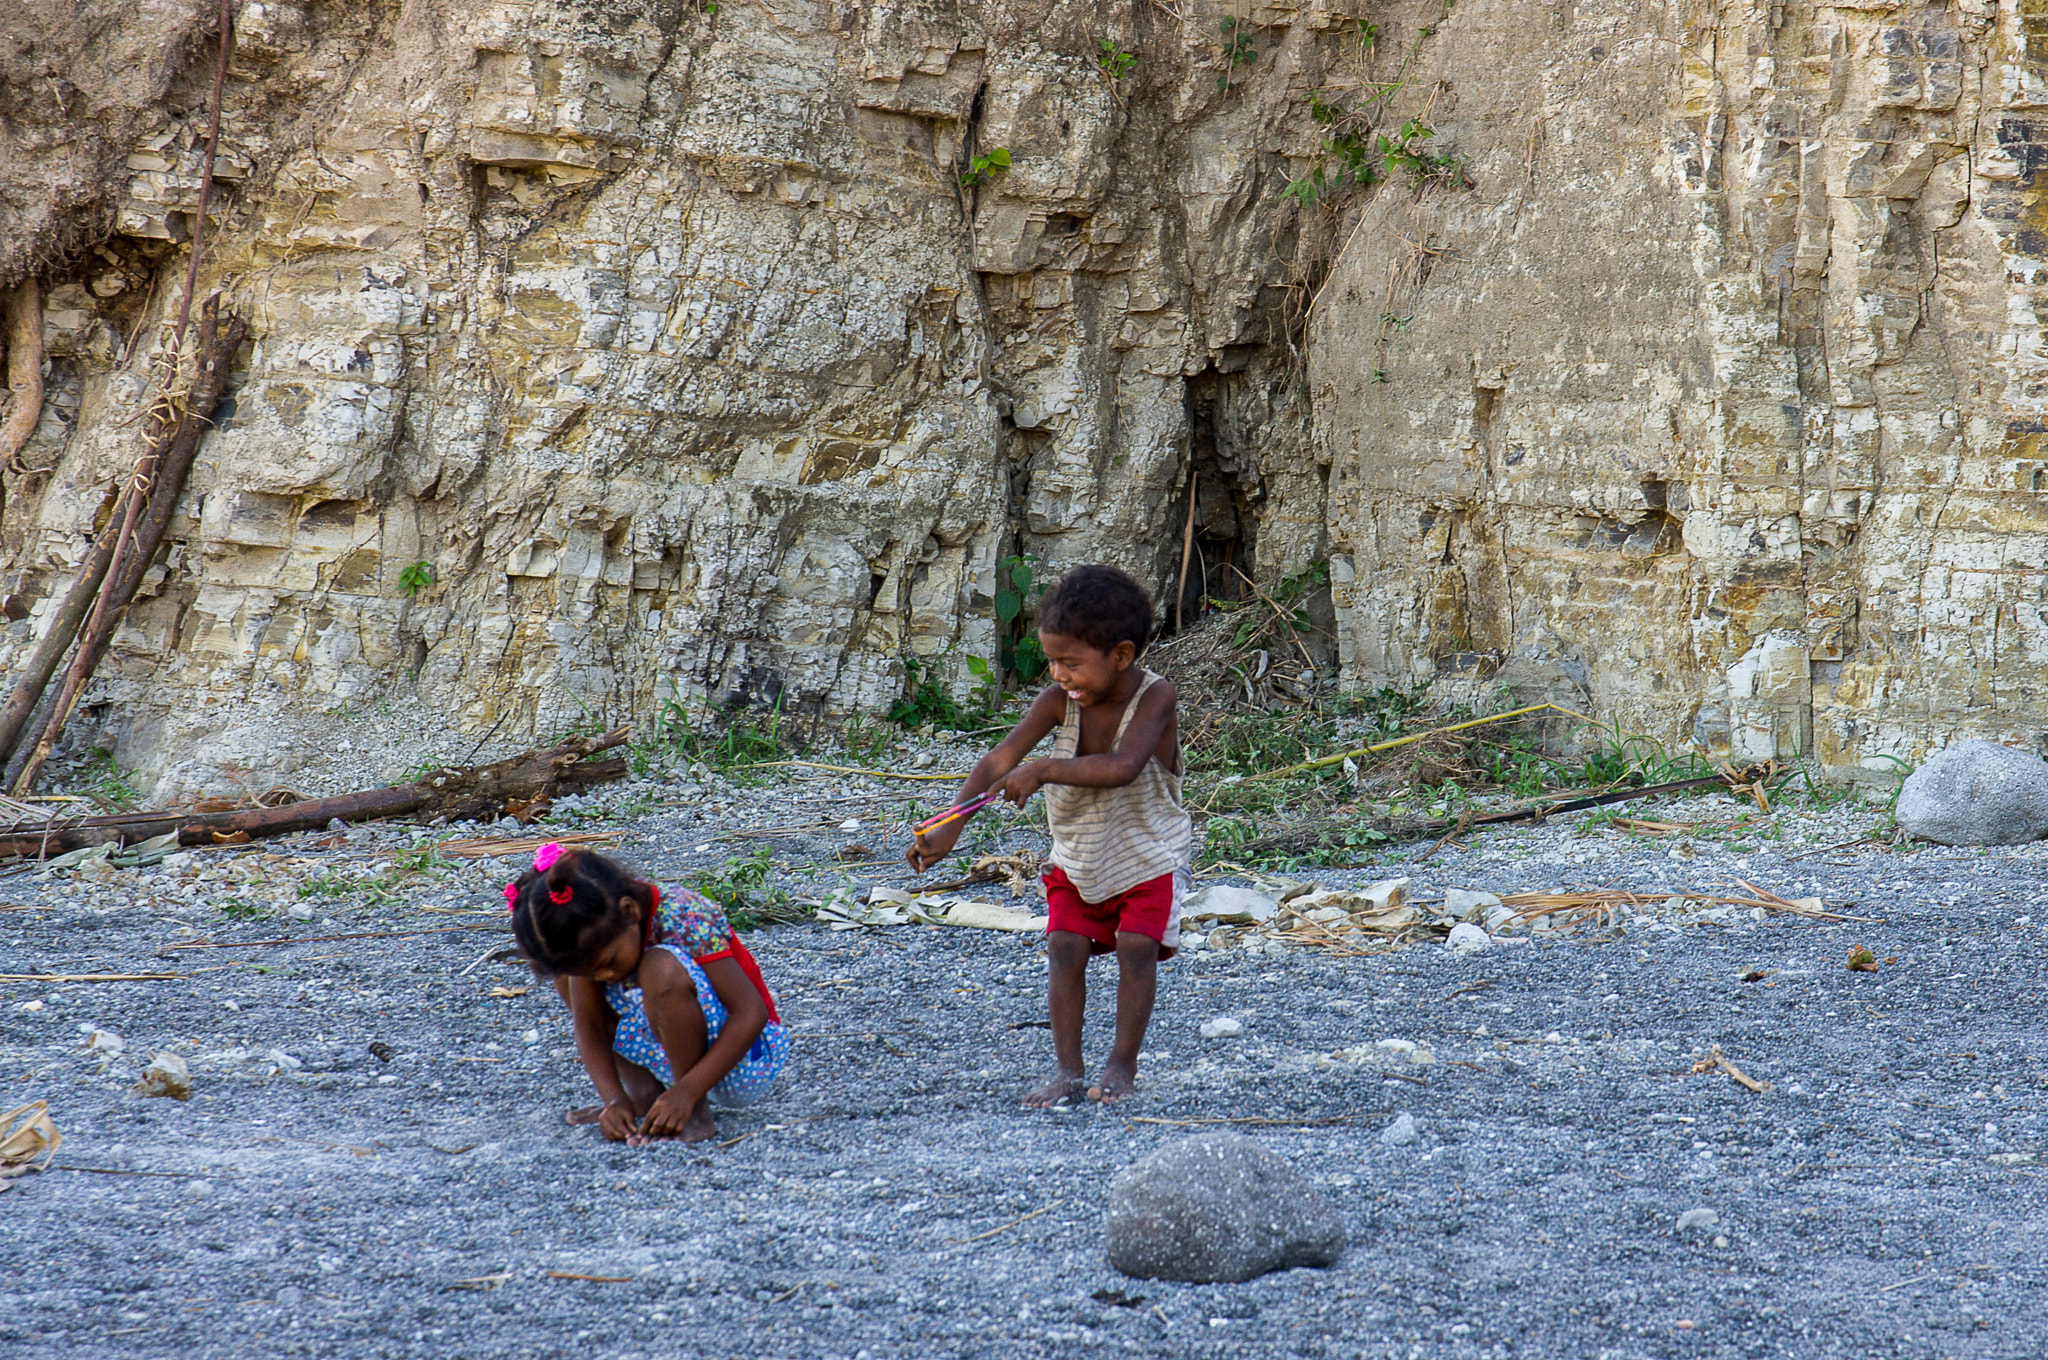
[1110, 840]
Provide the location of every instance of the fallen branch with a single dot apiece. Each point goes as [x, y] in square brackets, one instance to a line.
[451, 794]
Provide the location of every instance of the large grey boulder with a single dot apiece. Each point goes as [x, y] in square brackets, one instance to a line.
[1976, 793]
[1217, 1206]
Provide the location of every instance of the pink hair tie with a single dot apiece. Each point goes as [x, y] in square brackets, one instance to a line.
[511, 897]
[545, 857]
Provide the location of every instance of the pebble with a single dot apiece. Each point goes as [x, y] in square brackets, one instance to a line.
[1701, 1217]
[1222, 1027]
[1217, 1207]
[1466, 938]
[167, 1076]
[1403, 1131]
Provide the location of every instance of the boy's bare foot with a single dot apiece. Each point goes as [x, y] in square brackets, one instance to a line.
[583, 1114]
[1065, 1086]
[1119, 1081]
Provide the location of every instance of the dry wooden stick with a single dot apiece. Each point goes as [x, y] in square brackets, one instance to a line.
[89, 977]
[321, 939]
[1323, 762]
[1025, 1218]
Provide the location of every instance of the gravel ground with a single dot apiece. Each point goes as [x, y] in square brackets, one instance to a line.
[1884, 1199]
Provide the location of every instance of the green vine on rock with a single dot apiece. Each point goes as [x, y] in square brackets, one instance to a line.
[983, 168]
[1237, 50]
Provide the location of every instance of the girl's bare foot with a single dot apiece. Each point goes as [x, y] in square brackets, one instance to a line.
[1119, 1081]
[701, 1126]
[1065, 1086]
[583, 1114]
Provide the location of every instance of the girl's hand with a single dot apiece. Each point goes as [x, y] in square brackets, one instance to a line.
[668, 1114]
[616, 1123]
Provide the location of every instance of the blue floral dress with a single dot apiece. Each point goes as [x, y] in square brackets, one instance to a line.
[694, 930]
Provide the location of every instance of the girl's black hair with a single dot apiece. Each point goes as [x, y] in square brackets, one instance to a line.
[567, 935]
[1099, 605]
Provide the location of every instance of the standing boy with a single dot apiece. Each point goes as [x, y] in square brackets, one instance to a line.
[1120, 838]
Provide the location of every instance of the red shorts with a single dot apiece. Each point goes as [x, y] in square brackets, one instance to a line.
[1147, 910]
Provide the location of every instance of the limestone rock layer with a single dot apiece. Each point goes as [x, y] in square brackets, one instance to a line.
[607, 356]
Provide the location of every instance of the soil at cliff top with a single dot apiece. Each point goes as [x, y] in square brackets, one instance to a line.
[1885, 1198]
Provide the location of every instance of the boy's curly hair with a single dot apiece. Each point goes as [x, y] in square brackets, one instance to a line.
[564, 918]
[1100, 606]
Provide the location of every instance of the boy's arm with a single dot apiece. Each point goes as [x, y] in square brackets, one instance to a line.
[1106, 769]
[1045, 713]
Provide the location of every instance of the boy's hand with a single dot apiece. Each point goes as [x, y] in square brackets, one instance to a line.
[933, 845]
[616, 1123]
[1022, 782]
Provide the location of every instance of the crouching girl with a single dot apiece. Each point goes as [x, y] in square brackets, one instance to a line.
[670, 1010]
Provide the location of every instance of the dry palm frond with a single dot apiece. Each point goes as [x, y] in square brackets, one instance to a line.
[26, 1133]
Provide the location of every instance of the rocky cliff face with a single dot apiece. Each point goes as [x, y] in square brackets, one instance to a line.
[611, 354]
[1716, 405]
[666, 339]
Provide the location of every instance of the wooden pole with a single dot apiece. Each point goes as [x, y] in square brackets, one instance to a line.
[173, 463]
[1187, 548]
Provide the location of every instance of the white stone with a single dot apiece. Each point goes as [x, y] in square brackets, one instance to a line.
[1222, 1027]
[1466, 938]
[1403, 1131]
[1464, 904]
[1701, 1217]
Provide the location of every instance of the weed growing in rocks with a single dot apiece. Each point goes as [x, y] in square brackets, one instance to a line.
[743, 886]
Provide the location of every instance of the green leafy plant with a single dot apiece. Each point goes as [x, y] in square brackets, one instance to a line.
[1022, 656]
[1407, 153]
[1237, 49]
[984, 167]
[1114, 61]
[929, 703]
[743, 886]
[109, 788]
[416, 578]
[1345, 162]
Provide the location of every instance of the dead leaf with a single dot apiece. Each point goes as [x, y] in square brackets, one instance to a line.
[1755, 975]
[507, 993]
[479, 1282]
[382, 1051]
[850, 853]
[230, 838]
[1861, 960]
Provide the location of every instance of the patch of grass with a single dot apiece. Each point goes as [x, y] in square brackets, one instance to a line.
[741, 885]
[241, 909]
[740, 743]
[106, 786]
